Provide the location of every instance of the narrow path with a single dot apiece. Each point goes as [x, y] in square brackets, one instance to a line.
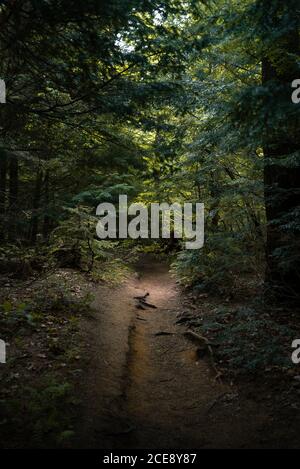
[167, 385]
[146, 388]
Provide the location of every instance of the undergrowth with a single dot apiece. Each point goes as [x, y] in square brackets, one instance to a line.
[44, 359]
[248, 340]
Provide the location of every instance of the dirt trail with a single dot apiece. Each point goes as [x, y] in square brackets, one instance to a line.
[146, 390]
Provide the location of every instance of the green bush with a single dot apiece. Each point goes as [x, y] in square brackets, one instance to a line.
[248, 340]
[217, 267]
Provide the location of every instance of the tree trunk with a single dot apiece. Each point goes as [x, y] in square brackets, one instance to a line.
[13, 196]
[46, 224]
[282, 182]
[3, 184]
[34, 225]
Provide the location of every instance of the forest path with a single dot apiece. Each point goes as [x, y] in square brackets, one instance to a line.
[146, 389]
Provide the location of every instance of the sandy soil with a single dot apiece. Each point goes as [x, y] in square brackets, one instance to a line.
[144, 389]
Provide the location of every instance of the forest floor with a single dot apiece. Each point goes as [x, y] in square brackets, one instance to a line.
[147, 386]
[124, 373]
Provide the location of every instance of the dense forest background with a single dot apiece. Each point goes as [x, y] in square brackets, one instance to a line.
[165, 101]
[187, 101]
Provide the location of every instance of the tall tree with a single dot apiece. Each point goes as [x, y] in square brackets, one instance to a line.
[280, 66]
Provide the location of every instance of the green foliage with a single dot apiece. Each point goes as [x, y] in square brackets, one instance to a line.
[113, 271]
[217, 267]
[46, 409]
[163, 101]
[248, 340]
[43, 412]
[13, 317]
[37, 402]
[96, 196]
[21, 262]
[57, 297]
[74, 243]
